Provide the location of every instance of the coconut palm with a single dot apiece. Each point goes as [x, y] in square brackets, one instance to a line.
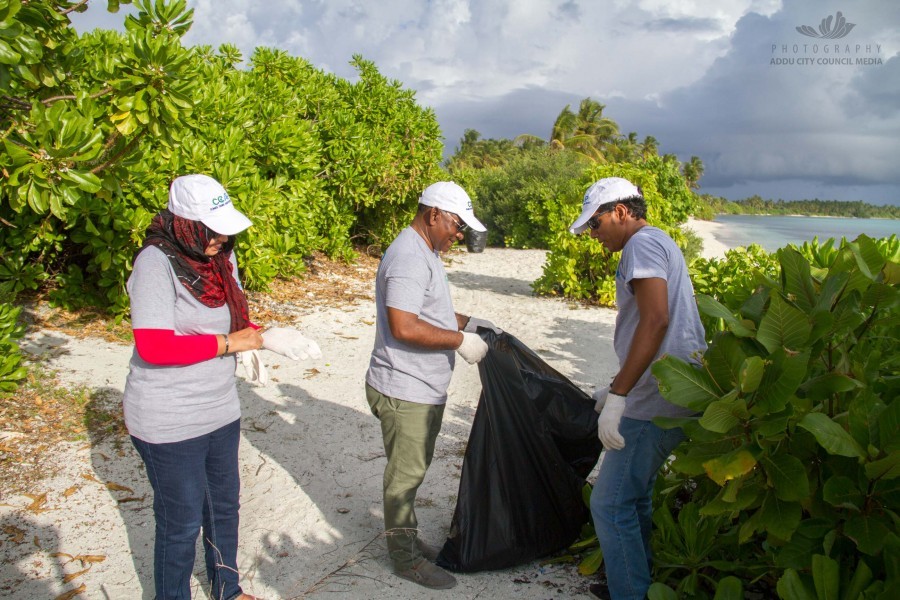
[587, 132]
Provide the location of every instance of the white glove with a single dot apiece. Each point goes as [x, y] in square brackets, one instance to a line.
[599, 397]
[254, 368]
[473, 348]
[287, 341]
[474, 323]
[608, 422]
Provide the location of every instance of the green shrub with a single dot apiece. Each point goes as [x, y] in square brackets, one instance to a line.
[579, 267]
[796, 455]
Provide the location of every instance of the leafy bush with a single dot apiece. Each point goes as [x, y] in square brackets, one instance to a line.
[518, 201]
[795, 459]
[577, 266]
[96, 126]
[11, 371]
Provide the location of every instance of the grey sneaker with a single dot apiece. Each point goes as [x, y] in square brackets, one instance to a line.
[429, 552]
[426, 574]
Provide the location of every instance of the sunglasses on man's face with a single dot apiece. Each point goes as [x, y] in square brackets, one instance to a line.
[460, 227]
[594, 222]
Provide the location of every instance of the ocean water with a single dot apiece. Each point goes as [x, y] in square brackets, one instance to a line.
[773, 232]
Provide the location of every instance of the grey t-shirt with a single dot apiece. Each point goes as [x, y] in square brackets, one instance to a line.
[411, 278]
[166, 404]
[650, 253]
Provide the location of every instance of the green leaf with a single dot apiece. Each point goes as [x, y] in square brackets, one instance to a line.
[841, 492]
[715, 309]
[684, 384]
[886, 468]
[779, 518]
[783, 375]
[868, 531]
[783, 326]
[889, 427]
[862, 576]
[826, 577]
[729, 588]
[8, 55]
[826, 385]
[721, 415]
[796, 278]
[85, 180]
[591, 563]
[788, 476]
[791, 587]
[660, 591]
[831, 436]
[751, 374]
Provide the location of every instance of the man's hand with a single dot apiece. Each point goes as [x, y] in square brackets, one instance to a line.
[288, 342]
[474, 323]
[608, 422]
[472, 348]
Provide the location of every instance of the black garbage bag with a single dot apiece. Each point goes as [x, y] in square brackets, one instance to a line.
[533, 442]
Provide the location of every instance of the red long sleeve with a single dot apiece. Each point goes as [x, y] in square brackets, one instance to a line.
[162, 347]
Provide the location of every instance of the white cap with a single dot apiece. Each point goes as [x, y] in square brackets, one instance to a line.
[448, 196]
[202, 198]
[605, 191]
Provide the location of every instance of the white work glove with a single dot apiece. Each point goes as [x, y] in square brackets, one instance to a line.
[608, 422]
[473, 348]
[254, 369]
[599, 397]
[474, 323]
[287, 341]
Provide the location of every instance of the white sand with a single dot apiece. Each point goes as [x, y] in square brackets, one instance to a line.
[311, 460]
[707, 230]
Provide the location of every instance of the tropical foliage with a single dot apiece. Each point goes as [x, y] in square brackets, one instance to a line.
[791, 476]
[577, 266]
[95, 126]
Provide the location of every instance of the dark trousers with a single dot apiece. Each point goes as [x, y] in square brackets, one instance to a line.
[196, 484]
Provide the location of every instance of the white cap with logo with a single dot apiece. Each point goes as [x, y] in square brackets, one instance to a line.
[604, 191]
[448, 196]
[202, 198]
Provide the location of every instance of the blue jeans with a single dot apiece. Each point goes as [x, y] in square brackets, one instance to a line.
[195, 483]
[622, 505]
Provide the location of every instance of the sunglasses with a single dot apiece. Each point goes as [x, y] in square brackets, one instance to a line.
[594, 222]
[460, 227]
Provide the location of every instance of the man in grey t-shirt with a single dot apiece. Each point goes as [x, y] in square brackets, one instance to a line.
[657, 315]
[416, 334]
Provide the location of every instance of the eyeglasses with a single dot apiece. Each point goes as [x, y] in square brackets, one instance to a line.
[460, 227]
[594, 222]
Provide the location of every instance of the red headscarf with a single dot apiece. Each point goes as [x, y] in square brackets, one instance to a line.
[209, 279]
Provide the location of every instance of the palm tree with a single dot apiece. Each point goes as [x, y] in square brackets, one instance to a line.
[587, 132]
[693, 171]
[650, 146]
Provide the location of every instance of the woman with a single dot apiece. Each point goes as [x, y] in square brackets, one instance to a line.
[190, 318]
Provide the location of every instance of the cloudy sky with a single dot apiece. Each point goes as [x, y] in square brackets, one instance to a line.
[770, 111]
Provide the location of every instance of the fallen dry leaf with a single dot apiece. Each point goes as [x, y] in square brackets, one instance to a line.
[72, 576]
[71, 490]
[37, 502]
[71, 593]
[118, 488]
[90, 558]
[90, 477]
[16, 535]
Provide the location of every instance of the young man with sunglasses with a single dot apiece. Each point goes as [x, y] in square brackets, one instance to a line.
[417, 334]
[657, 315]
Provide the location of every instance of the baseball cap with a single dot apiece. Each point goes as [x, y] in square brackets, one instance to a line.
[448, 196]
[605, 191]
[202, 198]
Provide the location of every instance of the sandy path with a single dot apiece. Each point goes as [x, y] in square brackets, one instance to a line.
[311, 460]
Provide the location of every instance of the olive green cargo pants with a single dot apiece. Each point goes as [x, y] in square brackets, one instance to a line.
[409, 430]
